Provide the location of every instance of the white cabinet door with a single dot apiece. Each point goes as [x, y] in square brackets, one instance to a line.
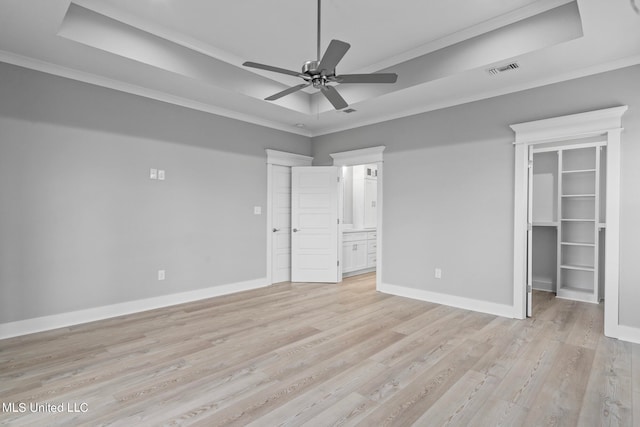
[360, 255]
[314, 222]
[347, 257]
[370, 202]
[281, 219]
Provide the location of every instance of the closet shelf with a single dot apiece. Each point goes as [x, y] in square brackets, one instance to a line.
[580, 195]
[577, 267]
[591, 245]
[579, 171]
[578, 220]
[545, 223]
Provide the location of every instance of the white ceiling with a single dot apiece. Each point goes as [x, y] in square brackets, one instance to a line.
[189, 52]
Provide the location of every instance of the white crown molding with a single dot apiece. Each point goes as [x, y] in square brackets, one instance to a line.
[62, 320]
[83, 76]
[488, 307]
[512, 17]
[358, 157]
[283, 158]
[596, 122]
[589, 71]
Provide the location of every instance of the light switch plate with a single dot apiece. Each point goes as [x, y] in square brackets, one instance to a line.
[161, 174]
[153, 173]
[161, 275]
[257, 210]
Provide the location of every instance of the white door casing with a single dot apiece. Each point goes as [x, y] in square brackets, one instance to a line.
[530, 235]
[314, 222]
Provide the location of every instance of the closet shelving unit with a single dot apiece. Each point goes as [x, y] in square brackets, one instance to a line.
[579, 222]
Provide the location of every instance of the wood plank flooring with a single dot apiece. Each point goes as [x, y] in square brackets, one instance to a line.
[325, 355]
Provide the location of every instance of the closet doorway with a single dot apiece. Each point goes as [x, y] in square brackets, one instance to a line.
[583, 128]
[567, 220]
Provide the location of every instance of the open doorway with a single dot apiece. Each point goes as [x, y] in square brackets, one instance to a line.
[359, 219]
[364, 228]
[602, 124]
[567, 212]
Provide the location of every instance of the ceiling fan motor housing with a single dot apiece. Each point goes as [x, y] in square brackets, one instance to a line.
[318, 77]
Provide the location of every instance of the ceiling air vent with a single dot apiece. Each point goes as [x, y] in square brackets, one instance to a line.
[501, 69]
[349, 110]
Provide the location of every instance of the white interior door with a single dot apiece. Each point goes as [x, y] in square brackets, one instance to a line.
[530, 235]
[281, 220]
[314, 222]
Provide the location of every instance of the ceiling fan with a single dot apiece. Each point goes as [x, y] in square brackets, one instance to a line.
[322, 71]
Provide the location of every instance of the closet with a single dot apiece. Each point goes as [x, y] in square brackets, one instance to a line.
[567, 210]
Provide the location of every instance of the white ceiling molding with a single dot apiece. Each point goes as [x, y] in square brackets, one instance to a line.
[82, 76]
[212, 79]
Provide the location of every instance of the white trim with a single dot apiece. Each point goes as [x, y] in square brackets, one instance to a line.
[361, 157]
[280, 158]
[606, 122]
[492, 93]
[597, 122]
[94, 79]
[283, 158]
[503, 310]
[55, 321]
[358, 157]
[612, 238]
[628, 333]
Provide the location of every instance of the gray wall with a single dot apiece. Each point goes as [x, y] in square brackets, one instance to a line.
[448, 187]
[81, 223]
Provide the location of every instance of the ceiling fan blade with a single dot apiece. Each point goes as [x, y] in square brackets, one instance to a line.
[334, 97]
[367, 78]
[333, 55]
[287, 92]
[270, 68]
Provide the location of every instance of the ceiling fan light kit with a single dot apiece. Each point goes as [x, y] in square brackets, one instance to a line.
[318, 73]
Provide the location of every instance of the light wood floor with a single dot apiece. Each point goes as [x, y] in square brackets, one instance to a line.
[322, 355]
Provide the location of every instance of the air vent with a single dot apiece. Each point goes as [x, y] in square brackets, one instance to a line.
[349, 110]
[501, 69]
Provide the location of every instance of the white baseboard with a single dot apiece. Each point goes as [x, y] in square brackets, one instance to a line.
[628, 333]
[496, 309]
[55, 321]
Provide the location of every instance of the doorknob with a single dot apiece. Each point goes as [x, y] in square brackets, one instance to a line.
[276, 229]
[295, 230]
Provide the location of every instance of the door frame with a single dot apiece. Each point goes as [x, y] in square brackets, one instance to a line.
[280, 158]
[607, 123]
[362, 157]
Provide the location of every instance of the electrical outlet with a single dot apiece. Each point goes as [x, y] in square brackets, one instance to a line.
[161, 174]
[153, 173]
[438, 273]
[160, 274]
